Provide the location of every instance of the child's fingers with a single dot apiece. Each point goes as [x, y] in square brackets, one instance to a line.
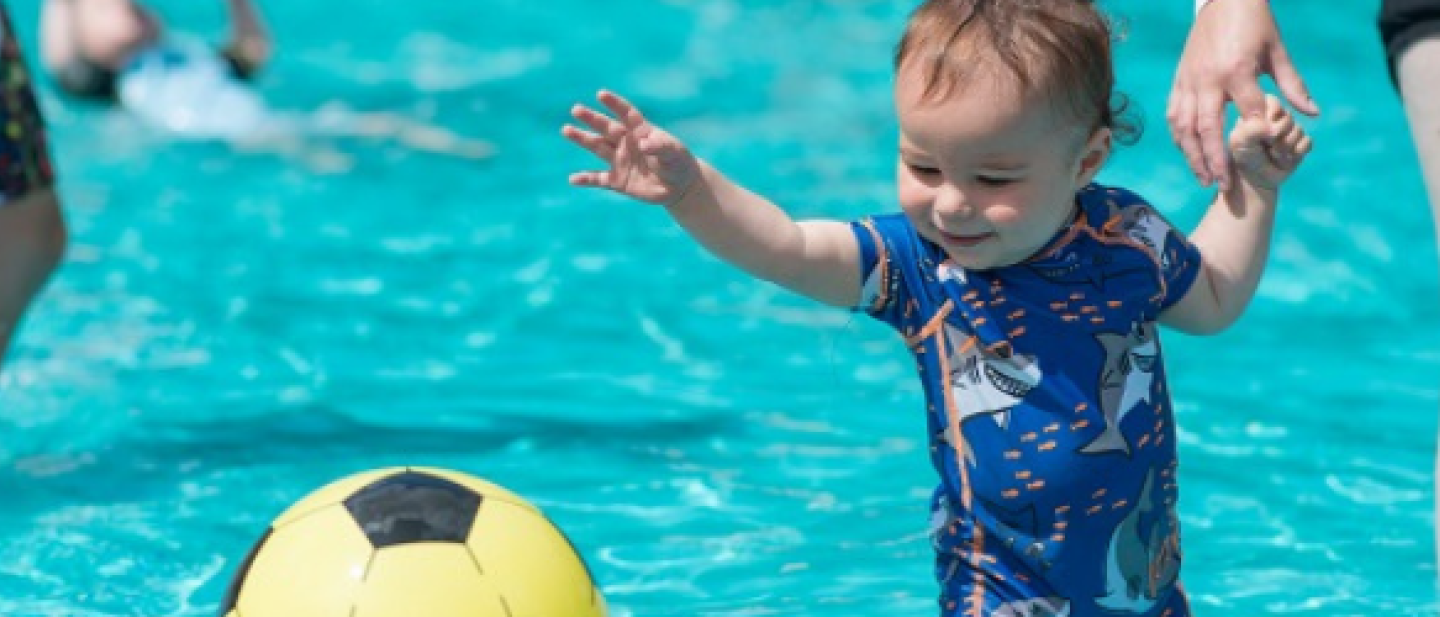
[1292, 142]
[591, 178]
[1303, 146]
[1280, 127]
[1248, 133]
[597, 145]
[1288, 152]
[624, 110]
[1290, 133]
[1287, 156]
[601, 123]
[1274, 109]
[1286, 131]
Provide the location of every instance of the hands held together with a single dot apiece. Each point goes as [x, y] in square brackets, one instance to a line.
[1267, 148]
[1232, 43]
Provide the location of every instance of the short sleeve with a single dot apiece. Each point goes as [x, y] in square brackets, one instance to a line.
[1178, 259]
[1181, 265]
[888, 246]
[875, 268]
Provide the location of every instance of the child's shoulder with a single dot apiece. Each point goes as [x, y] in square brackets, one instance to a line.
[1107, 200]
[888, 220]
[1123, 220]
[1114, 209]
[892, 228]
[893, 235]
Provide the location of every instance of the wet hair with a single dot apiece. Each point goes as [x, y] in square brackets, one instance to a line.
[1054, 50]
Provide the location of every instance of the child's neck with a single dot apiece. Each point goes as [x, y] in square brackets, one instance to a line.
[1061, 235]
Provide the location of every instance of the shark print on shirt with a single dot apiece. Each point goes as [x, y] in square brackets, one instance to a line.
[1126, 379]
[984, 382]
[1145, 226]
[1144, 555]
[1035, 607]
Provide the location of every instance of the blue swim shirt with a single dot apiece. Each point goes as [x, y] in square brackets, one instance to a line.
[1049, 420]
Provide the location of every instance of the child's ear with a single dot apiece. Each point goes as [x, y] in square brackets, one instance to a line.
[1093, 156]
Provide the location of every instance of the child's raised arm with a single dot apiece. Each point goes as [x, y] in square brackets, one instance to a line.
[1234, 236]
[818, 259]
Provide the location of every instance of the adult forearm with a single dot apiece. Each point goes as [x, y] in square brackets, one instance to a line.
[1234, 240]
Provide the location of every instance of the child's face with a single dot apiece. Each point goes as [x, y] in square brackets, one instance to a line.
[986, 176]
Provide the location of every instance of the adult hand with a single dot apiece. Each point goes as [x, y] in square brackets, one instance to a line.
[1231, 44]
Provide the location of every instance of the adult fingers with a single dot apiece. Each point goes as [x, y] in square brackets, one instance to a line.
[1244, 89]
[1210, 131]
[1181, 116]
[1290, 83]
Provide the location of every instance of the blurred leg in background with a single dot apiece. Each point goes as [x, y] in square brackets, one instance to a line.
[1410, 30]
[32, 230]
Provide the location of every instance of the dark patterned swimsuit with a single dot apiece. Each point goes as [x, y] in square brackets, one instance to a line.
[24, 157]
[1050, 423]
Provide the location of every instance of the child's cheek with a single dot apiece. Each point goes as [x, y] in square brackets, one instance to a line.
[1004, 215]
[913, 196]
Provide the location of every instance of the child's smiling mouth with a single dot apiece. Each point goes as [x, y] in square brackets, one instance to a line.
[965, 239]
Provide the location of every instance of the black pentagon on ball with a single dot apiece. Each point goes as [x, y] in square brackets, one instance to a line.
[413, 507]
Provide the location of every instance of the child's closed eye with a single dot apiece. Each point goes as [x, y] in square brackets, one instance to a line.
[995, 180]
[922, 170]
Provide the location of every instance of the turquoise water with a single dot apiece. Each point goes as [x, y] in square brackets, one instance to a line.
[234, 328]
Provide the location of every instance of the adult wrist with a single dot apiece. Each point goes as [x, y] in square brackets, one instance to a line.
[1200, 4]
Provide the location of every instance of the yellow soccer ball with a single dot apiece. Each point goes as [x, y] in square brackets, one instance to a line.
[413, 542]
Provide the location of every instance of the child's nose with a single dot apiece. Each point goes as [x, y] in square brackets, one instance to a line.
[950, 202]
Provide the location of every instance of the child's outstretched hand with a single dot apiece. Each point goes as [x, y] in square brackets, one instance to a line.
[1267, 149]
[646, 163]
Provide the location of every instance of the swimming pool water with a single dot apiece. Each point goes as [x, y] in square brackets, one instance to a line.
[234, 328]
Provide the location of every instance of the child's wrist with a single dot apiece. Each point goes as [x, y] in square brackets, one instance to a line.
[1248, 190]
[685, 194]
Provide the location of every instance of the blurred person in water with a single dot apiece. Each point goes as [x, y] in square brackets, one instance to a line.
[119, 51]
[89, 45]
